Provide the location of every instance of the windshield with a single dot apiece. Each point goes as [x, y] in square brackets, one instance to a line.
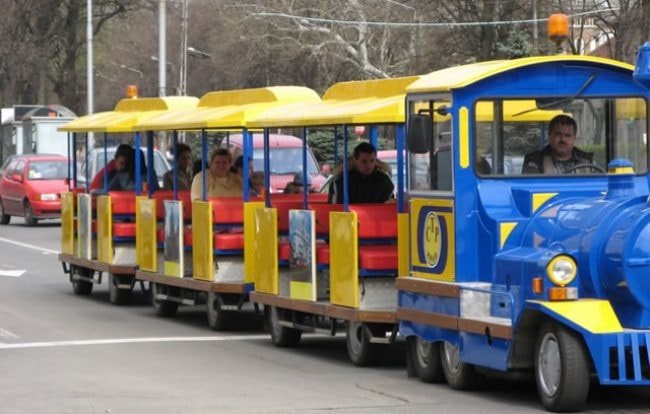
[564, 136]
[285, 161]
[47, 170]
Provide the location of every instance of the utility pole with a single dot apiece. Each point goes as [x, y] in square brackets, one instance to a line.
[162, 48]
[182, 84]
[89, 67]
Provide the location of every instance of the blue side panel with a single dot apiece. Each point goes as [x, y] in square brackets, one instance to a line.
[429, 304]
[478, 350]
[428, 333]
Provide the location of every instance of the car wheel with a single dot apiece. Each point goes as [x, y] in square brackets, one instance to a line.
[4, 218]
[29, 215]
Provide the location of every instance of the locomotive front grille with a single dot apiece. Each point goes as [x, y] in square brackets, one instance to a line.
[629, 359]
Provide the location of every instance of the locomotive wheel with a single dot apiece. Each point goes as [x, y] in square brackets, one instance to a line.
[361, 351]
[30, 220]
[115, 295]
[4, 218]
[459, 375]
[81, 287]
[281, 336]
[424, 357]
[218, 319]
[163, 308]
[561, 369]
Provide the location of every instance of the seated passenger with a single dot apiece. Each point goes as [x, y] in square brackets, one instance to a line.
[257, 183]
[296, 186]
[366, 182]
[221, 182]
[560, 155]
[122, 155]
[184, 166]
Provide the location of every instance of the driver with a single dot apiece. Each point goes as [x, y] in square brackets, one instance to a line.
[560, 156]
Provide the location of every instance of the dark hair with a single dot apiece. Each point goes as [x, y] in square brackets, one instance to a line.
[563, 120]
[220, 152]
[124, 150]
[364, 147]
[181, 148]
[239, 163]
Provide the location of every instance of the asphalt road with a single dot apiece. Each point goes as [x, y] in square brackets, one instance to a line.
[61, 353]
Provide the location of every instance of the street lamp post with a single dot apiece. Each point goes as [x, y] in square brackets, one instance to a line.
[89, 67]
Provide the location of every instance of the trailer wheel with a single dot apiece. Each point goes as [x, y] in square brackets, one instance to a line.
[80, 287]
[163, 308]
[218, 319]
[116, 295]
[281, 336]
[561, 369]
[4, 218]
[459, 375]
[361, 351]
[424, 357]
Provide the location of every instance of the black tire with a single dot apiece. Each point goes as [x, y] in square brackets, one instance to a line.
[361, 351]
[81, 287]
[218, 319]
[424, 358]
[115, 295]
[30, 220]
[562, 368]
[163, 308]
[4, 218]
[459, 375]
[281, 336]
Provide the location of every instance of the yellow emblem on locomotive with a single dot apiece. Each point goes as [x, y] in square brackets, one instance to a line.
[432, 239]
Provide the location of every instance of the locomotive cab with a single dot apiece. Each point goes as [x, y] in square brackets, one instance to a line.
[528, 214]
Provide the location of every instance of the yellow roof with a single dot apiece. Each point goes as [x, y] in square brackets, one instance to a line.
[128, 113]
[461, 76]
[232, 109]
[515, 111]
[357, 102]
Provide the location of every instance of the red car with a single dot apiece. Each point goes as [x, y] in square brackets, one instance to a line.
[31, 187]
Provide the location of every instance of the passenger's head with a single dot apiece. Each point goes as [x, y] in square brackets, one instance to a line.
[238, 166]
[365, 158]
[257, 182]
[299, 183]
[562, 136]
[124, 156]
[220, 162]
[183, 156]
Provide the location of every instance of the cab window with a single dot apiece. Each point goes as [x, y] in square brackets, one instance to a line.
[431, 165]
[559, 136]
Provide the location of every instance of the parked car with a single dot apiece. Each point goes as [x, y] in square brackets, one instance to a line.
[285, 158]
[96, 162]
[31, 187]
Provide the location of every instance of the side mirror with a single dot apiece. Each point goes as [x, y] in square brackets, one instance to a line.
[419, 133]
[17, 177]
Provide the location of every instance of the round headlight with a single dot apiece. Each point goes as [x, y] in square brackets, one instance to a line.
[561, 270]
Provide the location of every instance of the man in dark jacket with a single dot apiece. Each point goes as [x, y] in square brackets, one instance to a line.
[560, 155]
[366, 183]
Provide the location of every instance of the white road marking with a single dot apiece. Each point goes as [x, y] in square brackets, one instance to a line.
[29, 246]
[12, 273]
[4, 334]
[114, 341]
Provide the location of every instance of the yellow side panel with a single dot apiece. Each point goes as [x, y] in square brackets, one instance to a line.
[433, 243]
[250, 241]
[202, 241]
[540, 198]
[266, 260]
[67, 223]
[145, 234]
[504, 231]
[104, 229]
[344, 259]
[402, 244]
[463, 123]
[596, 316]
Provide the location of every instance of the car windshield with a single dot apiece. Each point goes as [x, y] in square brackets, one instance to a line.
[284, 161]
[47, 170]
